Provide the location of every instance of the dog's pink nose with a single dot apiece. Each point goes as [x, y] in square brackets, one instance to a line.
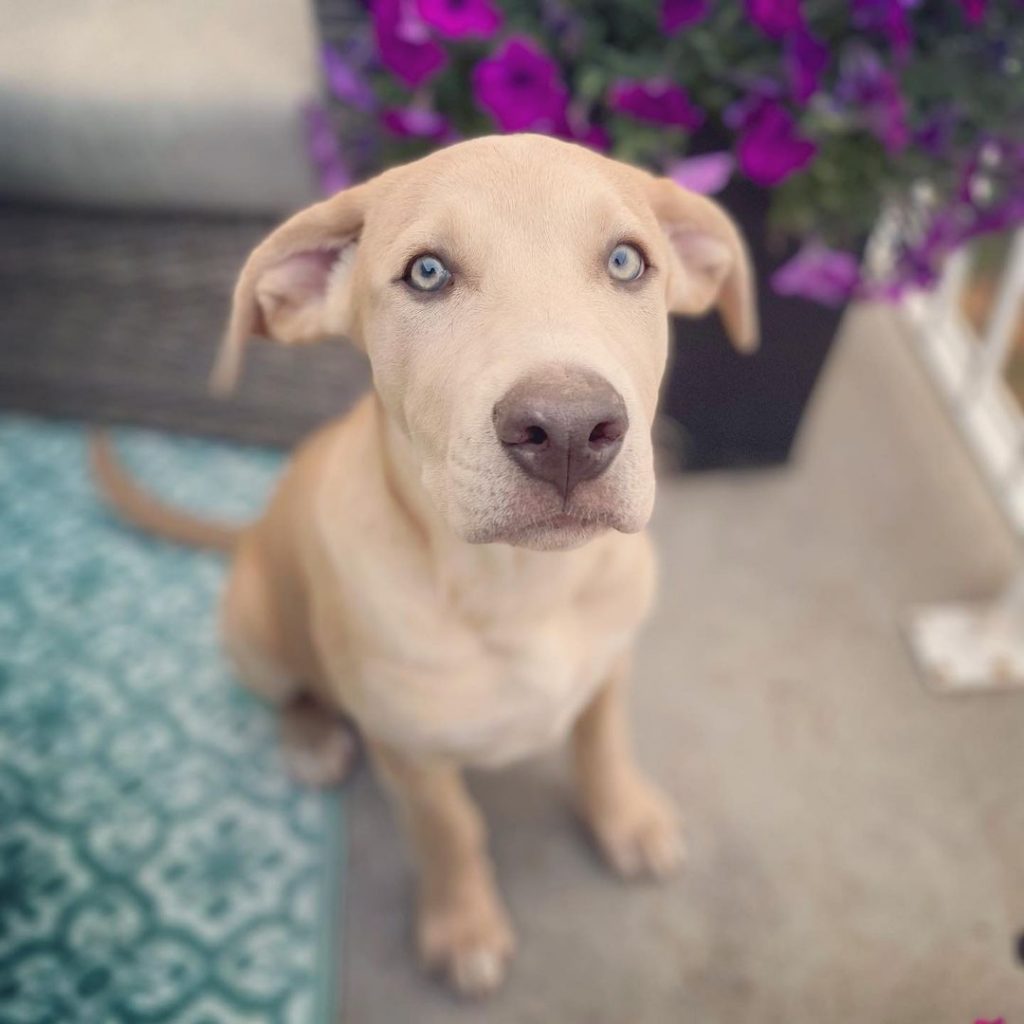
[564, 426]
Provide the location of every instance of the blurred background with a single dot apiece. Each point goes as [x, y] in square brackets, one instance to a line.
[832, 685]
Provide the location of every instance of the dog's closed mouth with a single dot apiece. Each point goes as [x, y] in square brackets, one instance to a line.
[558, 528]
[568, 518]
[566, 521]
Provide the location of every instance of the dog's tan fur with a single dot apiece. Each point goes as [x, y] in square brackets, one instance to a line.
[407, 571]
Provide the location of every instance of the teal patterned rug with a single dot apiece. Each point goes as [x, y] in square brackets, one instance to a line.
[155, 863]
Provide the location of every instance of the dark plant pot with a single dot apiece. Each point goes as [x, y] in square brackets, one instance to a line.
[734, 410]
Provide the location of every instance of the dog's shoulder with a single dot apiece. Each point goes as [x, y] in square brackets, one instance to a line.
[340, 501]
[334, 457]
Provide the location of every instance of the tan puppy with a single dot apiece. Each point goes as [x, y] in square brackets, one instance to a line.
[459, 563]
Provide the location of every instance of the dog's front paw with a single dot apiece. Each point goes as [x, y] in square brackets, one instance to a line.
[638, 831]
[468, 939]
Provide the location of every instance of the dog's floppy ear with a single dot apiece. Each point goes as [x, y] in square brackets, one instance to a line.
[709, 262]
[282, 292]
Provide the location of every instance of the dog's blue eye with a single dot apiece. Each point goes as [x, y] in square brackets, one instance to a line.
[625, 262]
[427, 274]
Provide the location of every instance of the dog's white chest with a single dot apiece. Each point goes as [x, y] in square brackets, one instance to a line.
[493, 699]
[539, 687]
[493, 661]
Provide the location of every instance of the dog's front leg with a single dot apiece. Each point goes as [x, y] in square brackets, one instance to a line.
[634, 823]
[461, 925]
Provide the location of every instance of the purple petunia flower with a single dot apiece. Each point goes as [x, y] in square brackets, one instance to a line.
[593, 136]
[990, 198]
[331, 169]
[565, 28]
[404, 42]
[657, 100]
[806, 60]
[888, 17]
[776, 18]
[874, 94]
[1001, 216]
[320, 138]
[770, 148]
[918, 261]
[935, 136]
[520, 87]
[706, 174]
[677, 14]
[345, 81]
[416, 123]
[575, 126]
[459, 19]
[974, 10]
[759, 91]
[992, 187]
[824, 275]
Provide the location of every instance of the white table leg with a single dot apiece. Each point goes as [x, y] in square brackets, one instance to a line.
[971, 647]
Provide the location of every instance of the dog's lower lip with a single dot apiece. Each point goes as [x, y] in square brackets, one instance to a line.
[561, 521]
[565, 519]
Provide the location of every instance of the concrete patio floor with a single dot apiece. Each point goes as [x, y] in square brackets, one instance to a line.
[856, 843]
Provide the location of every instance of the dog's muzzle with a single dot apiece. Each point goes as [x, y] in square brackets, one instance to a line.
[563, 426]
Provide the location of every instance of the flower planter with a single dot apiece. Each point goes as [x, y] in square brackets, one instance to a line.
[734, 410]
